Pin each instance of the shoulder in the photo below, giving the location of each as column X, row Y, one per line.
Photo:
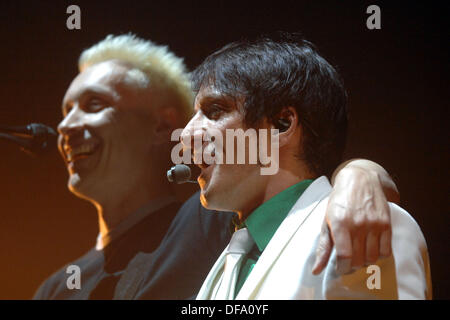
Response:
column 405, row 229
column 410, row 254
column 56, row 283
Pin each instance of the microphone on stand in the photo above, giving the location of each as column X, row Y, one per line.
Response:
column 180, row 173
column 34, row 138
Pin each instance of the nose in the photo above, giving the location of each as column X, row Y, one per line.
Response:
column 192, row 135
column 71, row 123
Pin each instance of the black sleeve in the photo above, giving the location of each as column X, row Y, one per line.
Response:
column 48, row 287
column 193, row 243
column 55, row 287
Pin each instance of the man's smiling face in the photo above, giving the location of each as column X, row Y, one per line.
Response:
column 104, row 136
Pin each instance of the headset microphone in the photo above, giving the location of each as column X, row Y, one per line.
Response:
column 180, row 173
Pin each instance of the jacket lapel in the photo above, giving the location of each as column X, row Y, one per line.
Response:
column 301, row 210
column 214, row 275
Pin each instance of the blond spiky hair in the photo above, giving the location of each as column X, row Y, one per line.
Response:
column 154, row 60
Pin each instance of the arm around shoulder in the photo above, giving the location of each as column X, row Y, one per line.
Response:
column 404, row 275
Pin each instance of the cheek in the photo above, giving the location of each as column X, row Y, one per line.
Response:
column 134, row 135
column 102, row 118
column 113, row 124
column 230, row 122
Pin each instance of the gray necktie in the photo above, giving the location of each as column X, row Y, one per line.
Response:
column 240, row 244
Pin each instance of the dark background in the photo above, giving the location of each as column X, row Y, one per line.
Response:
column 396, row 78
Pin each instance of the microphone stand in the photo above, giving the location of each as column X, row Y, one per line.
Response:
column 32, row 139
column 25, row 144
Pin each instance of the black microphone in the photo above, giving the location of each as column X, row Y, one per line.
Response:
column 34, row 138
column 180, row 173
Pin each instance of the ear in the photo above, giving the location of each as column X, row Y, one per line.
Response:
column 167, row 119
column 286, row 122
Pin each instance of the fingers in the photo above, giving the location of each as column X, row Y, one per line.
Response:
column 343, row 243
column 353, row 250
column 323, row 251
column 372, row 252
column 359, row 250
column 385, row 243
column 368, row 247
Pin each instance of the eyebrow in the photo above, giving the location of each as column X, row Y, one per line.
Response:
column 213, row 98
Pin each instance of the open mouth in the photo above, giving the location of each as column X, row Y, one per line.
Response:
column 79, row 152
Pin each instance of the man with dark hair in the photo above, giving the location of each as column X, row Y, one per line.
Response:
column 118, row 116
column 269, row 82
column 288, row 89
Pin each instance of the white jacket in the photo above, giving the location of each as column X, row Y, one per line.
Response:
column 283, row 271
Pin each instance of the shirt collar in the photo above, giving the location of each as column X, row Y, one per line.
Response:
column 264, row 221
column 133, row 219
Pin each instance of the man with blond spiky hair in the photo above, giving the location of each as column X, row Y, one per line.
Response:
column 119, row 113
column 115, row 138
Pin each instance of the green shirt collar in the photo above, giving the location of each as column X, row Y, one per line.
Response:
column 264, row 221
